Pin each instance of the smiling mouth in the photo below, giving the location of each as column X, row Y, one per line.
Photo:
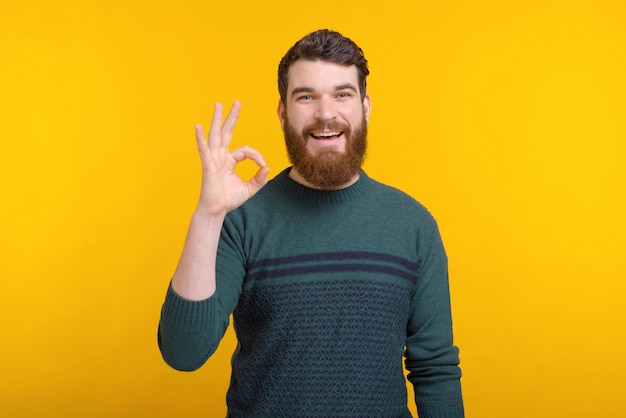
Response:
column 326, row 135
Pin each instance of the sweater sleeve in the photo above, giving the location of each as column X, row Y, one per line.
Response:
column 190, row 331
column 431, row 358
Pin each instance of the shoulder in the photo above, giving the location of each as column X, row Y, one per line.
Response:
column 400, row 202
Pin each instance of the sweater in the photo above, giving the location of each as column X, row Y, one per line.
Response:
column 328, row 291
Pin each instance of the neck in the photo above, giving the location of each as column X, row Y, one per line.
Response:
column 297, row 177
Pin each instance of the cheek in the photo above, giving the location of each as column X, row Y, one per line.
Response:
column 298, row 120
column 354, row 113
column 355, row 118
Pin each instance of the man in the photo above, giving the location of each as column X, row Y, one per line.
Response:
column 331, row 277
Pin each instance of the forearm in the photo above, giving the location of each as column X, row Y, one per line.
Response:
column 192, row 323
column 194, row 278
column 432, row 359
column 433, row 365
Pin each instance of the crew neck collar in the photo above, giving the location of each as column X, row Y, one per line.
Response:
column 323, row 196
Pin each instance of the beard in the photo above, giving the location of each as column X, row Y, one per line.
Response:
column 327, row 169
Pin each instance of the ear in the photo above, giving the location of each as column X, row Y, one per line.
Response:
column 367, row 107
column 281, row 114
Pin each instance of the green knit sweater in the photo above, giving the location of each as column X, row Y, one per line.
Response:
column 328, row 290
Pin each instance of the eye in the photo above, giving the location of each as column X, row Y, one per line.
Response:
column 305, row 97
column 344, row 95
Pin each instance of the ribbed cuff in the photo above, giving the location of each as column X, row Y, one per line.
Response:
column 189, row 331
column 189, row 316
column 445, row 411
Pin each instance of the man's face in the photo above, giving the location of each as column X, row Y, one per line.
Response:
column 324, row 122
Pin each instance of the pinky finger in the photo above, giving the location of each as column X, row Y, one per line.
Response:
column 200, row 138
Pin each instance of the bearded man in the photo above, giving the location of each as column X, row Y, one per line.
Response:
column 331, row 277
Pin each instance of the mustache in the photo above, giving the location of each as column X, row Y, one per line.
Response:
column 326, row 126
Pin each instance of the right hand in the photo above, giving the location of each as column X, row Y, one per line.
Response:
column 222, row 189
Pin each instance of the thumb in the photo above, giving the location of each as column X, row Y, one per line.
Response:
column 259, row 180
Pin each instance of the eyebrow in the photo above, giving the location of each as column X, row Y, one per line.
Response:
column 305, row 89
column 299, row 90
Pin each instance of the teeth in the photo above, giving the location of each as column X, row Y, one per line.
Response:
column 326, row 134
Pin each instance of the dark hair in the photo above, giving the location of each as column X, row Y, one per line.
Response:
column 325, row 45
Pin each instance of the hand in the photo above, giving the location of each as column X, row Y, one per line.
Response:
column 222, row 189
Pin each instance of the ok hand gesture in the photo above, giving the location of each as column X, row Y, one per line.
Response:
column 222, row 189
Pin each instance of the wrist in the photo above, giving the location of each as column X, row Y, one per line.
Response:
column 206, row 218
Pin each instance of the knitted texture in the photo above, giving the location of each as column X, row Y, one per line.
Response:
column 328, row 291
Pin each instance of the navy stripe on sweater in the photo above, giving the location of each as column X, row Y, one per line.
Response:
column 333, row 262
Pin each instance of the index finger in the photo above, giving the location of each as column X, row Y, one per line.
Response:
column 245, row 152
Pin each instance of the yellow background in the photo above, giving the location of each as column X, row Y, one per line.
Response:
column 506, row 119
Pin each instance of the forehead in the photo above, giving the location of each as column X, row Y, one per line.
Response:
column 321, row 75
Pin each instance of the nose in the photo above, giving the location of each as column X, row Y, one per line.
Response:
column 325, row 110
